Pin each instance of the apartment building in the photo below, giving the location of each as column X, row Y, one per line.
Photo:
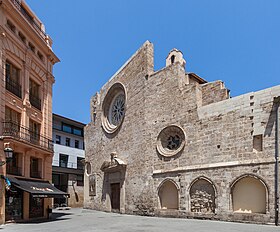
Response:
column 26, row 80
column 68, row 160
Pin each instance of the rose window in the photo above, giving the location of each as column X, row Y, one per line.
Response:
column 114, row 106
column 171, row 140
column 117, row 110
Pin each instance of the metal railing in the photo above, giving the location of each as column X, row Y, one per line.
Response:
column 13, row 87
column 13, row 170
column 25, row 134
column 28, row 17
column 35, row 101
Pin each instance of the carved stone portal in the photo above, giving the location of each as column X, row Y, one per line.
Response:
column 202, row 196
column 114, row 164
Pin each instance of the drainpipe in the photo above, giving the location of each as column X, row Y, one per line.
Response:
column 277, row 102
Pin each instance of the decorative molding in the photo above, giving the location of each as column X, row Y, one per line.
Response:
column 215, row 165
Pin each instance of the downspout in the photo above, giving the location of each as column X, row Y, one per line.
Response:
column 277, row 102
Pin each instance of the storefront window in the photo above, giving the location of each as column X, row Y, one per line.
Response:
column 14, row 201
column 36, row 207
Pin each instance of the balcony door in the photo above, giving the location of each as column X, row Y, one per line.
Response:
column 13, row 79
column 34, row 129
column 12, row 122
column 34, row 95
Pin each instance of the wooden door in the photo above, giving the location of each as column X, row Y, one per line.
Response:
column 115, row 197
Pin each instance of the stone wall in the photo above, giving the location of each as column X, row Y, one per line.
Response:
column 76, row 193
column 214, row 92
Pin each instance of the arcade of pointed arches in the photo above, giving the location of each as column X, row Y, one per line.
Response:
column 248, row 193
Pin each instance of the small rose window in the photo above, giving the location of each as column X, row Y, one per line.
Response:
column 171, row 140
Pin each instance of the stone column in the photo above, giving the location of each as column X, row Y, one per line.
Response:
column 26, row 167
column 25, row 85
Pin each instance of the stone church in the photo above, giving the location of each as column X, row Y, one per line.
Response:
column 169, row 143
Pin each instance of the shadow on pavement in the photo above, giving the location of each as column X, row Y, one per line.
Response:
column 56, row 216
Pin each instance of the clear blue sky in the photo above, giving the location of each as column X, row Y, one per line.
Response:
column 237, row 41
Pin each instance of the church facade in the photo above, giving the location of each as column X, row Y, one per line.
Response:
column 169, row 143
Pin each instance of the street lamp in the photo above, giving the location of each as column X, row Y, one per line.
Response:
column 8, row 154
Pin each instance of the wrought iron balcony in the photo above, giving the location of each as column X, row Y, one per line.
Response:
column 35, row 101
column 12, row 129
column 28, row 17
column 13, row 170
column 13, row 87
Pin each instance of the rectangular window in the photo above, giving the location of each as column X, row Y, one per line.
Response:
column 34, row 168
column 13, row 167
column 63, row 160
column 12, row 116
column 11, row 26
column 72, row 129
column 66, row 128
column 80, row 163
column 11, row 125
column 77, row 144
column 22, row 37
column 36, row 207
column 13, row 79
column 31, row 46
column 34, row 130
column 40, row 55
column 57, row 139
column 34, row 96
column 77, row 131
column 258, row 143
column 80, row 180
column 67, row 142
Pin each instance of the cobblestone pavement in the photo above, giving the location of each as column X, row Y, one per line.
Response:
column 81, row 220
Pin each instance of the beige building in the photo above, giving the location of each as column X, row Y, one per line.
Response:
column 26, row 79
column 169, row 143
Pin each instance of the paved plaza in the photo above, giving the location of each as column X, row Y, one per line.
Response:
column 81, row 220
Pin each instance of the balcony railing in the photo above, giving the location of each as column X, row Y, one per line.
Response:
column 13, row 87
column 28, row 17
column 35, row 174
column 35, row 101
column 13, row 170
column 22, row 133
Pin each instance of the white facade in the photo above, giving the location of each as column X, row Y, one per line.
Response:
column 72, row 153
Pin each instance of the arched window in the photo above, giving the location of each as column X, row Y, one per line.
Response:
column 168, row 195
column 172, row 59
column 249, row 195
column 202, row 196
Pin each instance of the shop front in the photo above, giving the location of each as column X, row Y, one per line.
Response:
column 14, row 204
column 29, row 199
